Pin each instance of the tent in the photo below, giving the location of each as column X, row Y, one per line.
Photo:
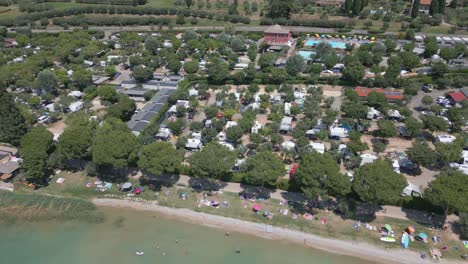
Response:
column 126, row 187
column 405, row 240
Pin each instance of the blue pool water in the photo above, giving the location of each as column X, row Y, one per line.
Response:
column 334, row 44
column 306, row 54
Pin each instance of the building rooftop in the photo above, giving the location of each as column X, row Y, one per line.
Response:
column 457, row 96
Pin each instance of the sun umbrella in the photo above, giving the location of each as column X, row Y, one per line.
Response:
column 411, row 229
column 422, row 235
column 215, row 203
column 256, row 207
column 388, row 227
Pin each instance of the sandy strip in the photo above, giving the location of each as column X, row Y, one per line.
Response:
column 343, row 247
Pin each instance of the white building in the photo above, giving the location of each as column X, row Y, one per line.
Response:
column 256, row 128
column 193, row 144
column 338, row 132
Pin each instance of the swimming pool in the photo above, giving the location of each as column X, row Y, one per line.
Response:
column 306, row 54
column 334, row 44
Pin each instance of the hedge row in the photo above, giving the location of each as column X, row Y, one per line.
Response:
column 112, row 2
column 110, row 21
column 28, row 18
column 306, row 23
column 7, row 2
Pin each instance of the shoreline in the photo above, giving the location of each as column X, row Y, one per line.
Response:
column 361, row 250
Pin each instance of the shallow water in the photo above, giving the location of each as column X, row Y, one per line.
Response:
column 126, row 231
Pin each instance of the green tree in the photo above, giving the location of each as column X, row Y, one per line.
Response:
column 348, row 6
column 413, row 127
column 122, row 110
column 82, row 78
column 191, row 67
column 158, row 158
column 107, row 93
column 266, row 60
column 152, row 44
column 47, row 82
column 409, row 59
column 421, row 154
column 177, row 126
column 318, row 175
column 279, row 9
column 188, row 3
column 377, row 183
column 448, row 191
column 12, row 124
column 377, row 100
column 76, row 140
column 354, row 72
column 217, row 71
column 434, row 123
column 295, row 65
column 110, row 71
column 114, row 147
column 435, row 7
column 34, row 149
column 141, row 74
column 439, row 69
column 386, row 129
column 264, row 169
column 214, row 161
column 357, row 4
column 427, row 100
column 449, row 152
column 252, row 52
column 234, row 133
column 415, row 9
column 237, row 43
column 174, row 65
column 431, row 46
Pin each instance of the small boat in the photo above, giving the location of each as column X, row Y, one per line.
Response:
column 140, row 253
column 387, row 239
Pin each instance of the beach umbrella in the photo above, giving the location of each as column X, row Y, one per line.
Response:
column 388, row 227
column 411, row 229
column 422, row 235
column 256, row 208
column 372, row 38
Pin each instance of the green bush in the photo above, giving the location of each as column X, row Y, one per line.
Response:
column 237, row 177
column 283, row 184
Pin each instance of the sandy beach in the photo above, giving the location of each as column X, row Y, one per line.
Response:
column 342, row 247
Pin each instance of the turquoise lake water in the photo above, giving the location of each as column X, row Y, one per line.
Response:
column 125, row 231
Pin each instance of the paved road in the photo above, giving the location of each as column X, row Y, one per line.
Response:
column 109, row 29
column 416, row 100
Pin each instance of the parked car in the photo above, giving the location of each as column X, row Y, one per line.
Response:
column 426, row 88
column 43, row 120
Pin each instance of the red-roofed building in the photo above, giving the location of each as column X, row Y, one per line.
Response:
column 391, row 95
column 457, row 97
column 277, row 35
column 424, row 6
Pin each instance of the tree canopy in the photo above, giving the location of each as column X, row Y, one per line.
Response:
column 214, row 161
column 264, row 169
column 114, row 146
column 47, row 82
column 295, row 65
column 319, row 175
column 377, row 183
column 34, row 149
column 448, row 191
column 158, row 158
column 421, row 154
column 12, row 124
column 76, row 140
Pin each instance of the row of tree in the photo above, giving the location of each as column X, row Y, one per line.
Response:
column 103, row 9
